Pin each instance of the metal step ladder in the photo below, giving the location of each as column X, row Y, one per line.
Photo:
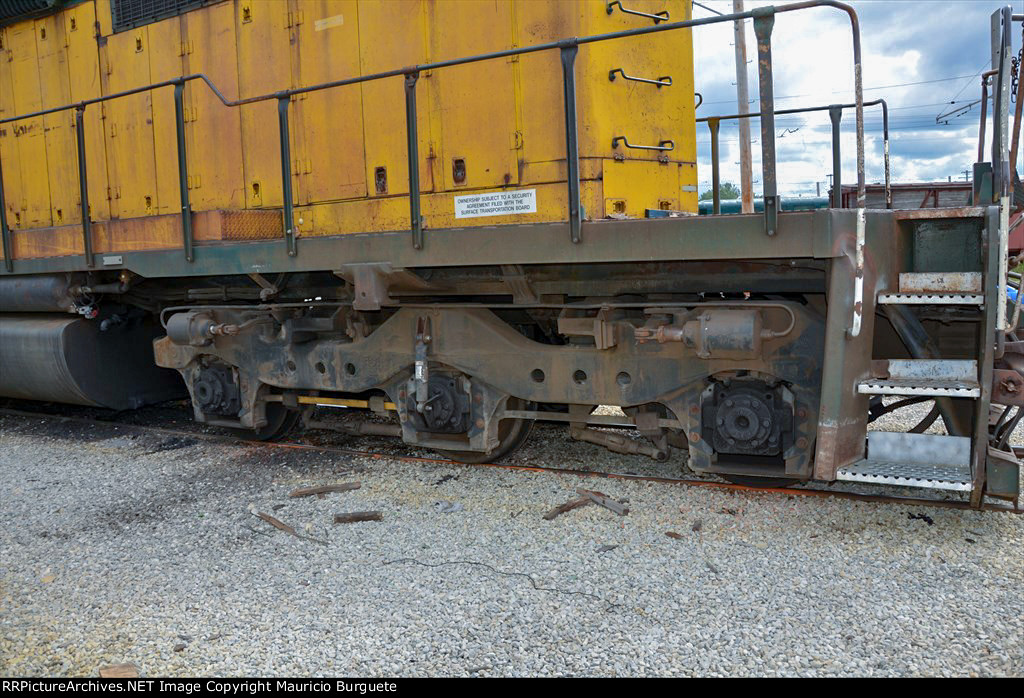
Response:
column 922, row 460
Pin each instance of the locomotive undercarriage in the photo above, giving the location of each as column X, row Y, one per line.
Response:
column 728, row 379
column 771, row 366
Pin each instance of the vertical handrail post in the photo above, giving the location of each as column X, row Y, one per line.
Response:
column 984, row 117
column 83, row 185
column 1002, row 54
column 413, row 151
column 186, row 205
column 716, row 195
column 286, row 174
column 572, row 147
column 885, row 142
column 764, row 20
column 835, row 114
column 5, row 232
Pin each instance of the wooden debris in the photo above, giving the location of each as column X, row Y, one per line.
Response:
column 281, row 525
column 673, row 534
column 277, row 523
column 321, row 490
column 568, row 506
column 604, row 500
column 357, row 516
column 119, row 671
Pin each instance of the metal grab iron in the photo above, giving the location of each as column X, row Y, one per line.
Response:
column 664, row 81
column 662, row 16
column 662, row 145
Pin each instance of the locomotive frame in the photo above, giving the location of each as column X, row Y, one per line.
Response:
column 750, row 342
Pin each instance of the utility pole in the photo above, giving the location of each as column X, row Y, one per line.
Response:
column 742, row 100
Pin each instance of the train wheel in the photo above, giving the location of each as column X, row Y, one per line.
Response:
column 512, row 433
column 280, row 421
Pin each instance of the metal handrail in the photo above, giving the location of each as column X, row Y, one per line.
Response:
column 763, row 20
column 835, row 113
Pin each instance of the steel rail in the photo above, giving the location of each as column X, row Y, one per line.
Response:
column 788, row 491
column 763, row 18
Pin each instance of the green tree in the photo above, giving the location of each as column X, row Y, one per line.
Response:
column 727, row 190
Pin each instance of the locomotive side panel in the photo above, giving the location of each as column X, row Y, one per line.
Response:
column 483, row 128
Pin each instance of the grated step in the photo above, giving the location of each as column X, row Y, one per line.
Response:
column 926, row 377
column 882, row 472
column 931, row 299
column 913, row 460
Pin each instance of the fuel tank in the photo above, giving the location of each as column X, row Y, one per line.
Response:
column 61, row 358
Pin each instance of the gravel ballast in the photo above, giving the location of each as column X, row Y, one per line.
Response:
column 119, row 545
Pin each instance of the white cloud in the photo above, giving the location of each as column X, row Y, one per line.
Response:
column 904, row 41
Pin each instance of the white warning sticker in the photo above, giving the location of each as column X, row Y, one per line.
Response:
column 329, row 22
column 496, row 203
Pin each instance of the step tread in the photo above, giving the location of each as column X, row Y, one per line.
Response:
column 928, row 377
column 940, row 282
column 931, row 299
column 937, row 387
column 945, row 476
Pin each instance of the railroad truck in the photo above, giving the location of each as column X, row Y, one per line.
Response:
column 465, row 217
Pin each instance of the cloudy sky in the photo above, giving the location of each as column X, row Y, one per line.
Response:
column 924, row 57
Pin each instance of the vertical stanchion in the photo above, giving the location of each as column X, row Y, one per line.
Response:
column 716, row 195
column 572, row 148
column 5, row 232
column 83, row 185
column 835, row 114
column 413, row 152
column 286, row 173
column 885, row 142
column 764, row 20
column 186, row 206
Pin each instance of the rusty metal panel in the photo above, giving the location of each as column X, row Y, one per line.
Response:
column 29, row 133
column 940, row 282
column 210, row 48
column 166, row 49
column 264, row 65
column 9, row 144
column 84, row 72
column 55, row 91
column 131, row 160
column 329, row 124
column 250, row 225
column 477, row 124
column 384, row 44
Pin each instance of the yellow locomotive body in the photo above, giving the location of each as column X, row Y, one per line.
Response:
column 484, row 128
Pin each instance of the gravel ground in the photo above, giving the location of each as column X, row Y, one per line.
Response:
column 118, row 545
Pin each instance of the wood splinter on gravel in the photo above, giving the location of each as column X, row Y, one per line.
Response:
column 119, row 671
column 325, row 489
column 357, row 516
column 568, row 506
column 281, row 525
column 604, row 500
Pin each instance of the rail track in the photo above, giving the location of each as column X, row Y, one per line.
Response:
column 294, row 445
